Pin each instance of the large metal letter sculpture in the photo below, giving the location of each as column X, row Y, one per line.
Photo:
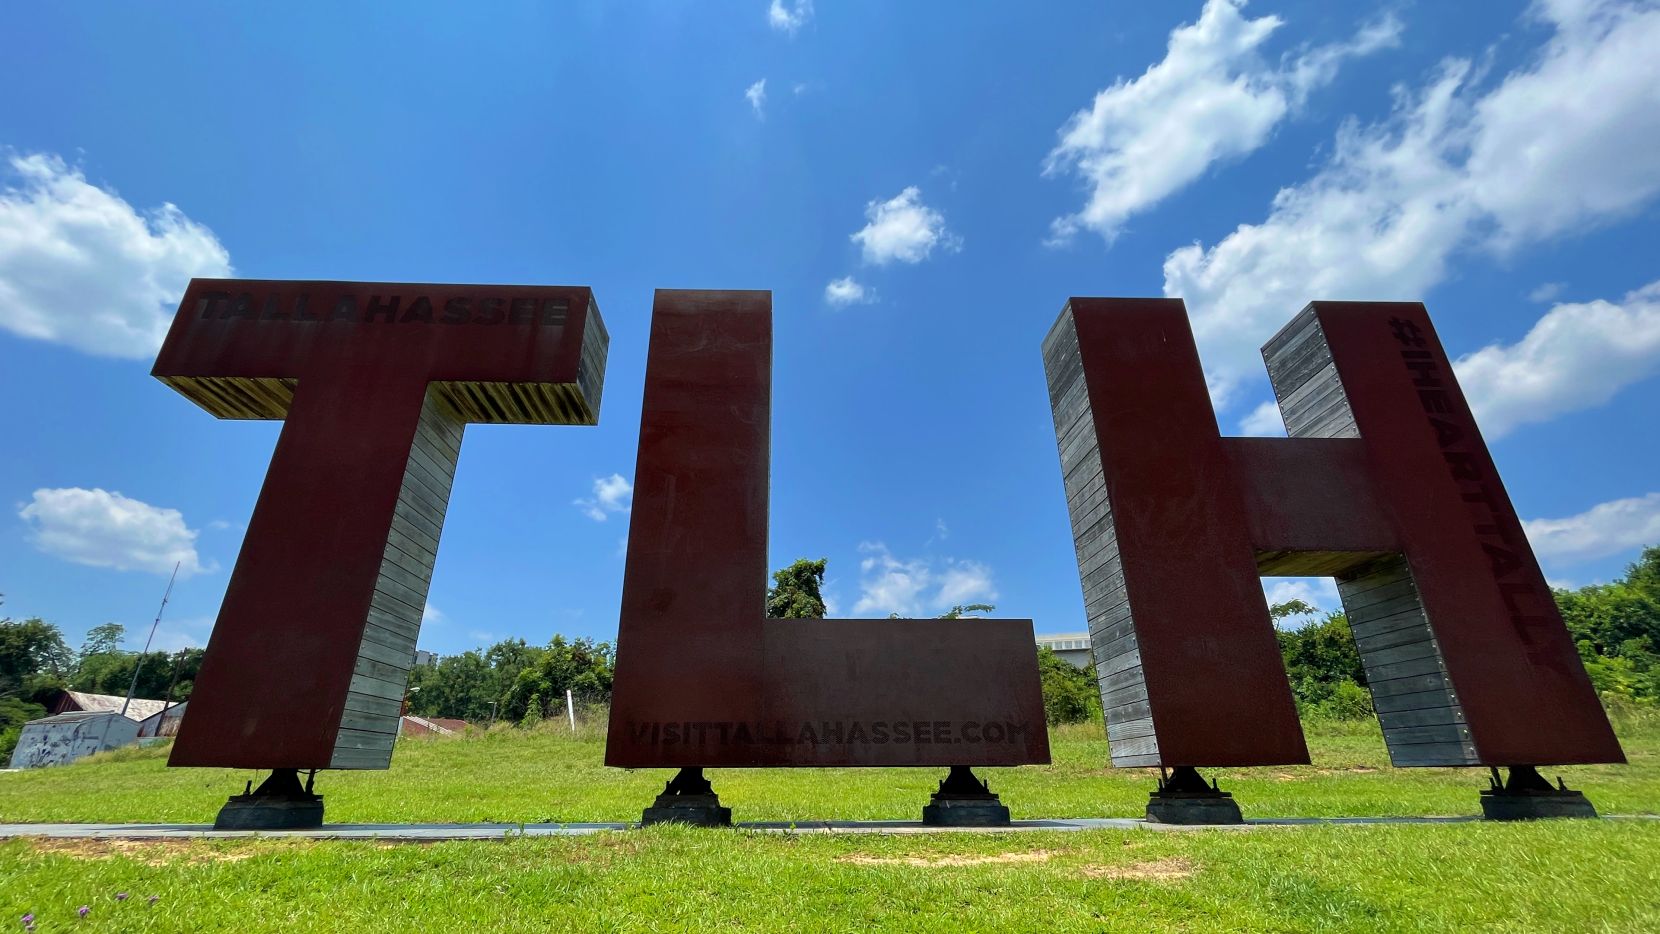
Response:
column 307, row 664
column 703, row 679
column 1385, row 484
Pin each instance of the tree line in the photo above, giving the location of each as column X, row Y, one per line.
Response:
column 1616, row 627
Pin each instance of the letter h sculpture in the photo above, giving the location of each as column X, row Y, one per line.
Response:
column 1385, row 484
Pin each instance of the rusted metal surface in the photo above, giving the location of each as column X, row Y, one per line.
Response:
column 1524, row 693
column 703, row 679
column 1386, row 485
column 308, row 660
column 1180, row 573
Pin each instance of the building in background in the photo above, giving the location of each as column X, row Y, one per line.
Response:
column 423, row 657
column 1072, row 646
column 430, row 726
column 161, row 724
column 80, row 701
column 65, row 737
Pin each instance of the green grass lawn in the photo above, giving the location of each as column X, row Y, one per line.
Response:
column 1563, row 875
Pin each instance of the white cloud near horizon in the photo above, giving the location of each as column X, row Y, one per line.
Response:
column 613, row 494
column 104, row 529
column 1604, row 529
column 1453, row 168
column 1264, row 421
column 789, row 18
column 1578, row 356
column 80, row 266
column 917, row 588
column 756, row 94
column 847, row 291
column 903, row 229
column 1214, row 97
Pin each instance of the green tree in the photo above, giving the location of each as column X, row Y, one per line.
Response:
column 959, row 611
column 1324, row 667
column 104, row 640
column 32, row 654
column 1616, row 627
column 582, row 666
column 797, row 591
column 1069, row 692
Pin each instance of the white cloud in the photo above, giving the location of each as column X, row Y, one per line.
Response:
column 1212, row 98
column 1602, row 530
column 904, row 229
column 431, row 615
column 611, row 494
column 789, row 19
column 918, row 587
column 79, row 266
column 1546, row 291
column 1263, row 422
column 846, row 291
column 1575, row 357
column 1318, row 592
column 108, row 530
column 757, row 97
column 1450, row 169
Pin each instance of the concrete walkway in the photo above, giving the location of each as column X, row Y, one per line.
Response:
column 415, row 833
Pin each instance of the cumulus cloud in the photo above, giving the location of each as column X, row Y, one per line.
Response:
column 1263, row 422
column 789, row 19
column 1451, row 168
column 1317, row 592
column 613, row 494
column 80, row 266
column 1213, row 97
column 756, row 94
column 903, row 228
column 1575, row 357
column 918, row 587
column 846, row 291
column 107, row 530
column 1604, row 529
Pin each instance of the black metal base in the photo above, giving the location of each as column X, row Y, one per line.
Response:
column 1528, row 796
column 687, row 798
column 964, row 801
column 1184, row 798
column 280, row 803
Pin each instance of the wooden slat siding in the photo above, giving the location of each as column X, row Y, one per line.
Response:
column 1401, row 659
column 387, row 650
column 1131, row 736
column 590, row 370
column 524, row 403
column 1417, row 708
column 236, row 397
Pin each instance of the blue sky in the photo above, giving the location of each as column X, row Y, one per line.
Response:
column 920, row 185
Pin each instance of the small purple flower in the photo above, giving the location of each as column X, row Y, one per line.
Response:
column 120, row 896
column 84, row 910
column 153, row 899
column 28, row 919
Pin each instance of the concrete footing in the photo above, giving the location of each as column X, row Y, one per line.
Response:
column 1528, row 796
column 962, row 800
column 688, row 798
column 280, row 803
column 1184, row 798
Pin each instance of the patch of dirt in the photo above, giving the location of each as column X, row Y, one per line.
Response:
column 1172, row 869
column 149, row 852
column 1034, row 856
column 1285, row 776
